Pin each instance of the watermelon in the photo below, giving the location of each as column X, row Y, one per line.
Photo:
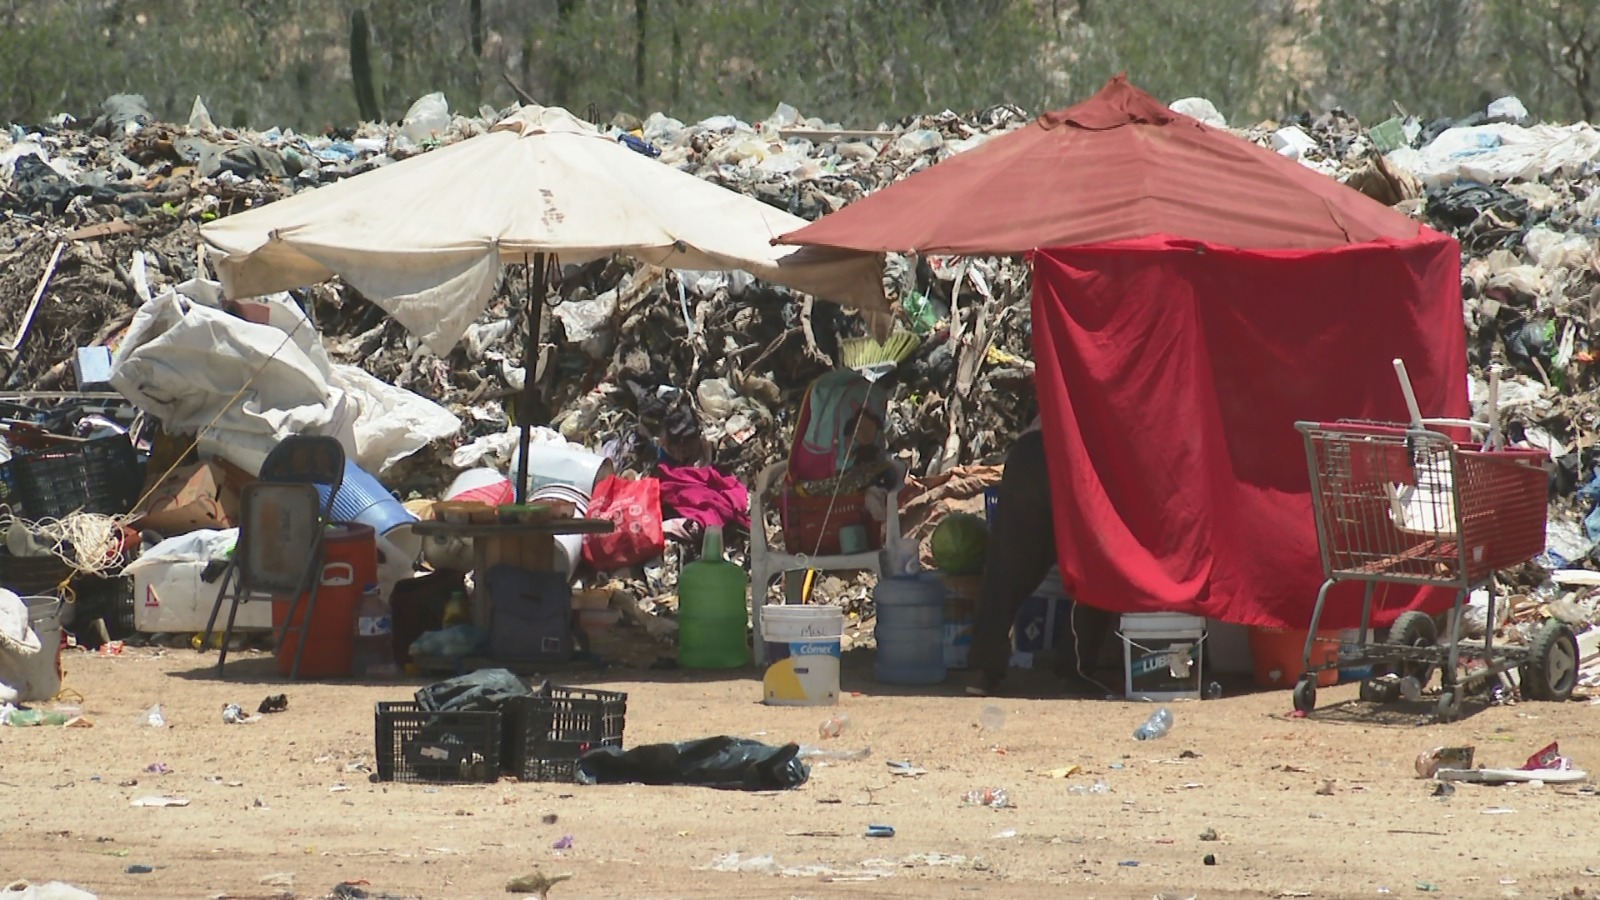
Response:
column 959, row 544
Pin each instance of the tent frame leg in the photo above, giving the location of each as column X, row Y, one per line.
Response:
column 533, row 311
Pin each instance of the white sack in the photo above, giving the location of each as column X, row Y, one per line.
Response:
column 183, row 362
column 391, row 422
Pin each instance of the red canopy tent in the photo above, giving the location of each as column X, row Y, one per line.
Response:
column 1193, row 296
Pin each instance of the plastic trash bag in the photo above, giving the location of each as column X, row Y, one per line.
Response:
column 485, row 690
column 426, row 119
column 726, row 763
column 1426, row 507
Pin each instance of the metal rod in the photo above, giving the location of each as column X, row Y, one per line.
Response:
column 533, row 309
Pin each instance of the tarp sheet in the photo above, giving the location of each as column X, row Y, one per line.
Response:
column 424, row 238
column 1170, row 376
column 244, row 386
column 1118, row 166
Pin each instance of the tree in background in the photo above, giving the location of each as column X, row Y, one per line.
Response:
column 311, row 64
column 1549, row 51
column 1177, row 50
column 1425, row 55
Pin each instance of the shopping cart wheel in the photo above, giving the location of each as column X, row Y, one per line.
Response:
column 1305, row 694
column 1449, row 708
column 1413, row 629
column 1374, row 691
column 1551, row 671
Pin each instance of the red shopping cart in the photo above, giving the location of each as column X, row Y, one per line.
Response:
column 1409, row 504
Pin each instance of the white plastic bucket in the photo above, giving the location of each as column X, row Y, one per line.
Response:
column 569, row 547
column 1161, row 655
column 41, row 674
column 802, row 655
column 560, row 464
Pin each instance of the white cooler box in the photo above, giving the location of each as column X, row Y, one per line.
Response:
column 171, row 597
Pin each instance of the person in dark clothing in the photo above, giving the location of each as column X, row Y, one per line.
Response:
column 1022, row 548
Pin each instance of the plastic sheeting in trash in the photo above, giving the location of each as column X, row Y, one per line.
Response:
column 1501, row 152
column 244, row 386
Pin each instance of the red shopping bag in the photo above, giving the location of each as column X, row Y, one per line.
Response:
column 635, row 506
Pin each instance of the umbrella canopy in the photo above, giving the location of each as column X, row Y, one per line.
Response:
column 1118, row 166
column 424, row 238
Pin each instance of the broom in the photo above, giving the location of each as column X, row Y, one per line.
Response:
column 863, row 352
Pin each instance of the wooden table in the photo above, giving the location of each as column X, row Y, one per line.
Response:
column 524, row 545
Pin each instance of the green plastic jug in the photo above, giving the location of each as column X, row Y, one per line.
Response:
column 712, row 617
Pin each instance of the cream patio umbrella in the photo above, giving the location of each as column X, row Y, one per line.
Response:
column 424, row 238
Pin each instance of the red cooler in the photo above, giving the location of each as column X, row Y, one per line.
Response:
column 350, row 562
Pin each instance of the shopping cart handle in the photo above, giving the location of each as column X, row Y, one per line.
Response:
column 1411, row 398
column 1459, row 423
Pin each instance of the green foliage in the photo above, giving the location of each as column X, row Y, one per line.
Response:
column 1177, row 50
column 859, row 62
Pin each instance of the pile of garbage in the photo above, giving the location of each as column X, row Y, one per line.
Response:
column 709, row 368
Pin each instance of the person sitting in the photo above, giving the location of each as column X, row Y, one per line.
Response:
column 1021, row 551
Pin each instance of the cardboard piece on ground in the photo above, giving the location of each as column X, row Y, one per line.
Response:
column 1509, row 776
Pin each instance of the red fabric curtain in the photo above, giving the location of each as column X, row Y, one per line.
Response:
column 1170, row 375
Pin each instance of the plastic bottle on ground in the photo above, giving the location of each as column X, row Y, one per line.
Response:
column 995, row 797
column 374, row 637
column 1159, row 723
column 992, row 718
column 834, row 726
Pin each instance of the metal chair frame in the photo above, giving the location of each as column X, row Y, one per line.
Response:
column 298, row 460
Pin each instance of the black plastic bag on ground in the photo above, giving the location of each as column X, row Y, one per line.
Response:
column 728, row 763
column 486, row 690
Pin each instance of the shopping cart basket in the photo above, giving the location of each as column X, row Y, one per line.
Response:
column 1409, row 504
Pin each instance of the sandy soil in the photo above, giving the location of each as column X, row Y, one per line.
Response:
column 1323, row 807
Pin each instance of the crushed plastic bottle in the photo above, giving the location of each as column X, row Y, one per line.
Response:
column 992, row 718
column 994, row 798
column 834, row 726
column 1410, row 689
column 154, row 717
column 1099, row 787
column 1159, row 723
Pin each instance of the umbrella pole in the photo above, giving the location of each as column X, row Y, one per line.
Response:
column 534, row 312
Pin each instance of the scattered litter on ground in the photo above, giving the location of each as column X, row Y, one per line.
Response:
column 159, row 801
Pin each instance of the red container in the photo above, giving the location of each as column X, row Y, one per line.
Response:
column 811, row 525
column 350, row 562
column 1279, row 656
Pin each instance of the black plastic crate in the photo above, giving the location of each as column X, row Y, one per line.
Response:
column 107, row 599
column 416, row 745
column 550, row 730
column 32, row 575
column 98, row 476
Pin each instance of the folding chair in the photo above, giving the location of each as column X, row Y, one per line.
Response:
column 280, row 536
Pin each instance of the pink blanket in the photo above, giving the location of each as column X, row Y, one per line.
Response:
column 705, row 495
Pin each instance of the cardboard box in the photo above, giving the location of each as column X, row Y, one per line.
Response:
column 199, row 496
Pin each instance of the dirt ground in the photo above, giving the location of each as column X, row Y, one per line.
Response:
column 1328, row 806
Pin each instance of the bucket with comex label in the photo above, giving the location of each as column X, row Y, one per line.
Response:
column 802, row 655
